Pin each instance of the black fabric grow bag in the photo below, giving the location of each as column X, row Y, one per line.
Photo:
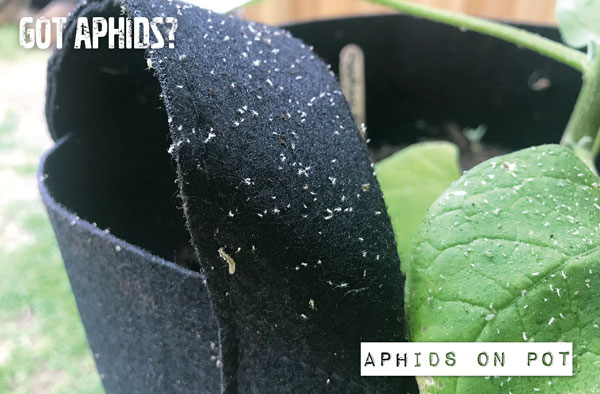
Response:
column 161, row 316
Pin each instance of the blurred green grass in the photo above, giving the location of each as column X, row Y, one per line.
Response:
column 42, row 343
column 9, row 42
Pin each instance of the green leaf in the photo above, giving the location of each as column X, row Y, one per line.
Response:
column 411, row 180
column 511, row 252
column 579, row 21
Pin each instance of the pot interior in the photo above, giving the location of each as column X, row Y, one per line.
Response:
column 424, row 81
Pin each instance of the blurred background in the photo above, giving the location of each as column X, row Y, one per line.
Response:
column 286, row 11
column 42, row 343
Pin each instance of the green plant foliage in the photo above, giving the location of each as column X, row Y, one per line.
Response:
column 579, row 21
column 511, row 252
column 411, row 180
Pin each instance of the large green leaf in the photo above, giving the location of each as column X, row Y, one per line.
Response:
column 579, row 21
column 411, row 180
column 511, row 252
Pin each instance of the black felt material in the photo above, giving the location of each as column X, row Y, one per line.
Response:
column 272, row 173
column 148, row 321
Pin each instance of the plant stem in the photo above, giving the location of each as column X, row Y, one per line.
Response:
column 596, row 146
column 582, row 132
column 520, row 37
